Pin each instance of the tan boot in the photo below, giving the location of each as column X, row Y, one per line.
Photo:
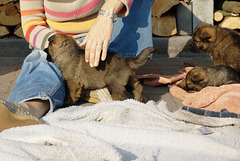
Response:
column 12, row 115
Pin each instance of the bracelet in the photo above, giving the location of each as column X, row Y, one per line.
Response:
column 108, row 14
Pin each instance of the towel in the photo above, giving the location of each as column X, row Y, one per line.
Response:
column 211, row 98
column 123, row 130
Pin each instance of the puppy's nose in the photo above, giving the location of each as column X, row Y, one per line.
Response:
column 190, row 46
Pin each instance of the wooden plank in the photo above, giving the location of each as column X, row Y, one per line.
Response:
column 161, row 6
column 184, row 19
column 9, row 15
column 231, row 23
column 18, row 31
column 220, row 14
column 164, row 25
column 231, row 6
column 4, row 31
column 3, row 2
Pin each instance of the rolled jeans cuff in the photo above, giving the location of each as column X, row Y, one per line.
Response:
column 39, row 79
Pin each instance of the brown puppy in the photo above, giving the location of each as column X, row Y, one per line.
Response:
column 200, row 77
column 114, row 73
column 222, row 44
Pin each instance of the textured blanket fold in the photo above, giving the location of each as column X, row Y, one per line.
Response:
column 123, row 130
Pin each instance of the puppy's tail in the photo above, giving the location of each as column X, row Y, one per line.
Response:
column 141, row 59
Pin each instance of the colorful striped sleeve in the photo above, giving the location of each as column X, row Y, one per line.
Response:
column 35, row 28
column 125, row 10
column 43, row 18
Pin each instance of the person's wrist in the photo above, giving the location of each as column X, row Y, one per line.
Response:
column 113, row 6
column 108, row 14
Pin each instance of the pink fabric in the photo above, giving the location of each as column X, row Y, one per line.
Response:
column 123, row 10
column 157, row 79
column 35, row 37
column 211, row 98
column 75, row 13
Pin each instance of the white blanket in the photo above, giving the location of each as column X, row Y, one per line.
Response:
column 123, row 130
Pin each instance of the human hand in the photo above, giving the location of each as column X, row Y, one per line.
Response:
column 97, row 40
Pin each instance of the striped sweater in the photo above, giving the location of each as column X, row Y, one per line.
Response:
column 43, row 18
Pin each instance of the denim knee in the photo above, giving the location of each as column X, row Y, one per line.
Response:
column 39, row 79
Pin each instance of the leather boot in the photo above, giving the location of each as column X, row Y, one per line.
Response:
column 12, row 115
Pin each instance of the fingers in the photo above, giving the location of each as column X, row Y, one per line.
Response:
column 94, row 50
column 78, row 42
column 97, row 54
column 84, row 42
column 87, row 51
column 93, row 53
column 104, row 50
column 97, row 40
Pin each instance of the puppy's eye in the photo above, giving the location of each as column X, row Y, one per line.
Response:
column 65, row 43
column 51, row 40
column 196, row 42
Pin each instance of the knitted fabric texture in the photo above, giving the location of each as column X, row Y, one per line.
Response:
column 43, row 18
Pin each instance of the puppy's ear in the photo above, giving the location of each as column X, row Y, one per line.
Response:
column 201, row 25
column 207, row 33
column 197, row 77
column 182, row 84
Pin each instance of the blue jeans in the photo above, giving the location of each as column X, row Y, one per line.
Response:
column 40, row 79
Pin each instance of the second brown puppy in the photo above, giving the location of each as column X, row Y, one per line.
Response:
column 222, row 44
column 114, row 73
column 201, row 77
